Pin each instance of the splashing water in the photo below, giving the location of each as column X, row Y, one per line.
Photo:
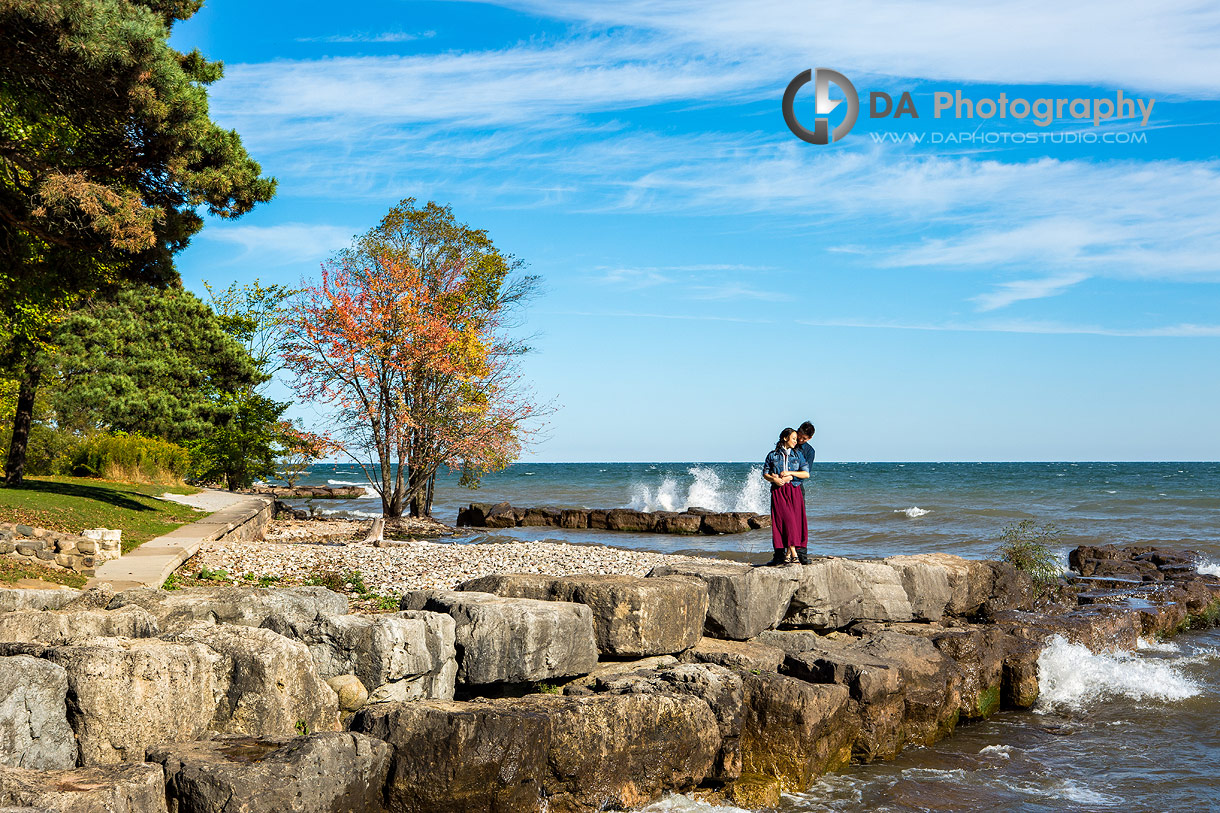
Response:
column 707, row 489
column 914, row 512
column 1071, row 676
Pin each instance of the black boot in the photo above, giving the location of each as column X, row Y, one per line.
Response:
column 801, row 556
column 777, row 559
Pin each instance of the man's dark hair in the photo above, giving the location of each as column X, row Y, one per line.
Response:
column 806, row 429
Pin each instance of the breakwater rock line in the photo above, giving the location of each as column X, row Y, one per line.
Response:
column 691, row 521
column 310, row 492
column 527, row 692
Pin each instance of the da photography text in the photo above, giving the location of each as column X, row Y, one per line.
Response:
column 955, row 104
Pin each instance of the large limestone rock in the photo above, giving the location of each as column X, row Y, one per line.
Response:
column 793, row 730
column 20, row 599
column 248, row 606
column 127, row 694
column 55, row 627
column 542, row 752
column 632, row 617
column 266, row 684
column 34, row 730
column 609, row 670
column 513, row 640
column 319, row 773
column 619, row 752
column 131, row 788
column 833, row 593
column 411, row 655
column 453, row 757
column 909, row 692
column 742, row 600
column 719, row 687
column 747, row 655
column 969, row 581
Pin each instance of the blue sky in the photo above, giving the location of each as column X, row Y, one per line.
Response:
column 709, row 277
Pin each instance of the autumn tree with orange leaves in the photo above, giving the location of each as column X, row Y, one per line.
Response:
column 407, row 336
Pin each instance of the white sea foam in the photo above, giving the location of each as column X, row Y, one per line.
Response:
column 369, row 493
column 1208, row 568
column 1004, row 751
column 1071, row 676
column 705, row 489
column 914, row 512
column 1156, row 646
column 677, row 803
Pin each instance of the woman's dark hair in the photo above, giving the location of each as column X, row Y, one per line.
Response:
column 783, row 437
column 806, row 429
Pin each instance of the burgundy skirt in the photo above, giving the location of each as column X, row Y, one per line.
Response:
column 789, row 528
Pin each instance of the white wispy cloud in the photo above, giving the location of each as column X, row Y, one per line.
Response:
column 1170, row 47
column 384, row 36
column 284, row 243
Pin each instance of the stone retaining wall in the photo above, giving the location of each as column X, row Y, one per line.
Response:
column 691, row 521
column 78, row 553
column 309, row 492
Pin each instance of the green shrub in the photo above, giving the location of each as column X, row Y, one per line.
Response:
column 1027, row 546
column 48, row 450
column 130, row 458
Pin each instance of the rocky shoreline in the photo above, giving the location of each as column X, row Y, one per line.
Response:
column 533, row 691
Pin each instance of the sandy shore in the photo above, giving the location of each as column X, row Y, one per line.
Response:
column 295, row 551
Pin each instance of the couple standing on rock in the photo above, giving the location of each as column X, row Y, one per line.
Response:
column 785, row 469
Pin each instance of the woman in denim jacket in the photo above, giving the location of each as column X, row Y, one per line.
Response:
column 789, row 529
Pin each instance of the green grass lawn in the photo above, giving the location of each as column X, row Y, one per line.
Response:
column 71, row 504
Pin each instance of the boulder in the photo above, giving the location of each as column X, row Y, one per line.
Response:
column 34, row 730
column 834, row 593
column 679, row 524
column 266, row 684
column 130, row 788
column 970, row 581
column 599, row 520
column 1011, row 589
column 609, row 670
column 319, row 773
column 451, row 757
column 351, row 692
column 744, row 655
column 382, row 649
column 717, row 686
column 734, row 523
column 500, row 515
column 793, row 730
column 127, row 694
column 247, row 606
column 20, row 599
column 541, row 517
column 619, row 752
column 926, row 584
column 742, row 600
column 542, row 752
column 512, row 640
column 66, row 626
column 632, row 617
column 574, row 518
column 760, row 522
column 626, row 519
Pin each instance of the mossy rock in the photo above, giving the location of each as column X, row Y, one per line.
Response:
column 754, row 791
column 988, row 703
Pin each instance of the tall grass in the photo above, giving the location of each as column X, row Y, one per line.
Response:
column 131, row 459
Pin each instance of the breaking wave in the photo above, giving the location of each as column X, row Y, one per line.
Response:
column 705, row 489
column 913, row 512
column 1071, row 676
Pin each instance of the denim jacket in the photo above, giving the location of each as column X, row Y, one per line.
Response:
column 775, row 463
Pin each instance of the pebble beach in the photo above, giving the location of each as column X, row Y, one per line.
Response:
column 296, row 550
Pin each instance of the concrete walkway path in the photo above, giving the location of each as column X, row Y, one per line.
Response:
column 150, row 564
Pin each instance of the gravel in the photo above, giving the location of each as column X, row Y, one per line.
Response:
column 295, row 551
